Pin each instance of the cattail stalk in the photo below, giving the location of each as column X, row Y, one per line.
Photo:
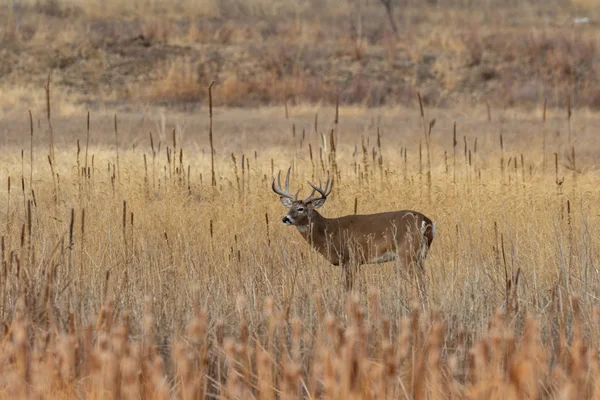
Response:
column 210, row 136
column 48, row 116
column 117, row 149
column 87, row 141
column 454, row 144
column 267, row 225
column 237, row 177
column 569, row 114
column 30, row 151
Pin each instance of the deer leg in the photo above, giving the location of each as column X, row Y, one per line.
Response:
column 349, row 275
column 420, row 264
column 416, row 273
column 421, row 278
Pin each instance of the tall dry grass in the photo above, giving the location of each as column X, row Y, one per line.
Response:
column 132, row 273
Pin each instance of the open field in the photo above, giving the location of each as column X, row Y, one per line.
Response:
column 186, row 265
column 142, row 252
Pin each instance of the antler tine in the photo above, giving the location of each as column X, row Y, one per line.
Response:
column 279, row 189
column 328, row 185
column 278, row 179
column 324, row 192
column 273, row 183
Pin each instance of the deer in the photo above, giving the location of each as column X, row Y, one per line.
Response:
column 353, row 240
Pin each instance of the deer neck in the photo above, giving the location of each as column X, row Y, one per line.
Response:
column 316, row 228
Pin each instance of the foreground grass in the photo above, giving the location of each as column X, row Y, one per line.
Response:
column 130, row 273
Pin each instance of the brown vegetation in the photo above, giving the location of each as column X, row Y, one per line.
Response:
column 258, row 52
column 205, row 291
column 141, row 251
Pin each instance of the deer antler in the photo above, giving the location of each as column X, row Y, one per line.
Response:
column 324, row 192
column 280, row 191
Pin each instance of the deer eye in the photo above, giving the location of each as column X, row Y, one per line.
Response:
column 300, row 209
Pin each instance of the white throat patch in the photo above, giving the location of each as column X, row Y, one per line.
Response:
column 302, row 228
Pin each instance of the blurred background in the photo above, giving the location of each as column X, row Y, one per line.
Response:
column 108, row 53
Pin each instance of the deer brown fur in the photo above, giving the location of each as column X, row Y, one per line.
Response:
column 352, row 240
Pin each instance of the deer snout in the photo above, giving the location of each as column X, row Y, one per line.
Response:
column 287, row 220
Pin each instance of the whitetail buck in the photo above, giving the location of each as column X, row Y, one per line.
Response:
column 353, row 240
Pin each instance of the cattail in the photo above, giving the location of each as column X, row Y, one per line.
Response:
column 3, row 258
column 181, row 160
column 145, row 172
column 117, row 149
column 124, row 227
column 48, row 116
column 78, row 152
column 243, row 175
column 569, row 113
column 189, row 175
column 169, row 159
column 210, row 136
column 71, row 224
column 267, row 225
column 30, row 150
column 23, row 190
column 235, row 169
column 248, row 175
column 33, row 197
column 454, row 144
column 501, row 155
column 523, row 167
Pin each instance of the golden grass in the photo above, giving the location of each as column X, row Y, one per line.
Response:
column 128, row 274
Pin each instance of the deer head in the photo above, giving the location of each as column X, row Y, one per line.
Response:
column 301, row 211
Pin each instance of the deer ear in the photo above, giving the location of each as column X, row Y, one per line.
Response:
column 286, row 201
column 317, row 203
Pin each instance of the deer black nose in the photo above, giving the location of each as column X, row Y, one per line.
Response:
column 286, row 220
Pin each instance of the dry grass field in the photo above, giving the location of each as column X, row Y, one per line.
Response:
column 142, row 251
column 454, row 52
